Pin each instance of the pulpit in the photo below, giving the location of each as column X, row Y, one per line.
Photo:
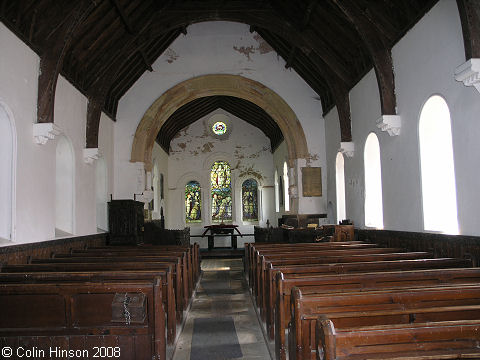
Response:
column 125, row 222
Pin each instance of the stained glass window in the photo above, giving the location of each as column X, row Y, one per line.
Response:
column 193, row 202
column 219, row 128
column 250, row 200
column 221, row 192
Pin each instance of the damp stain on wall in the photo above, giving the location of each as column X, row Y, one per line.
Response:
column 250, row 171
column 311, row 157
column 207, row 147
column 263, row 46
column 245, row 50
column 171, row 55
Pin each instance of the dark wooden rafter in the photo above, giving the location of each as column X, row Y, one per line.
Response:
column 305, row 21
column 470, row 17
column 333, row 85
column 99, row 87
column 51, row 61
column 311, row 42
column 379, row 50
column 132, row 31
column 198, row 108
column 331, row 44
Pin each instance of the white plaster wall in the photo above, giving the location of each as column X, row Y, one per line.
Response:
column 332, row 135
column 424, row 63
column 192, row 154
column 35, row 172
column 35, row 164
column 280, row 155
column 160, row 158
column 225, row 48
column 425, row 60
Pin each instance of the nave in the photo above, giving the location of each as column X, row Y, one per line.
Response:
column 221, row 323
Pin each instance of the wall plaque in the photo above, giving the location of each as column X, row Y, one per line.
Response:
column 312, row 181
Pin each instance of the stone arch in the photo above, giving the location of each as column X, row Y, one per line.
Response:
column 217, row 84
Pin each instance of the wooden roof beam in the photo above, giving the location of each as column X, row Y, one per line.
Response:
column 313, row 42
column 51, row 60
column 470, row 18
column 98, row 89
column 379, row 50
column 291, row 57
column 124, row 17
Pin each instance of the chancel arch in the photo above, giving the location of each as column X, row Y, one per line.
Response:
column 211, row 85
column 7, row 173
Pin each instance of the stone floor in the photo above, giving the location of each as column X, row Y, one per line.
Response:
column 222, row 323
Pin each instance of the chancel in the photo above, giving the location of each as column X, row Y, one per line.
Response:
column 237, row 179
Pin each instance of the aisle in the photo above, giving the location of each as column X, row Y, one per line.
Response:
column 222, row 323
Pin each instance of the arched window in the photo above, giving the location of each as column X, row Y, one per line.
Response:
column 277, row 195
column 437, row 167
column 64, row 187
column 7, row 147
column 221, row 191
column 340, row 182
column 250, row 200
column 373, row 183
column 193, row 202
column 101, row 193
column 286, row 185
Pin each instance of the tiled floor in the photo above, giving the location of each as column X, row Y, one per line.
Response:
column 223, row 294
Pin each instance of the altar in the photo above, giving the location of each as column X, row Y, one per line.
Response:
column 218, row 230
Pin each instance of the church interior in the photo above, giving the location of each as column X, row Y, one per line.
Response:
column 224, row 179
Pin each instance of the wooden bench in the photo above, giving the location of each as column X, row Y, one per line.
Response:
column 80, row 317
column 180, row 275
column 86, row 267
column 367, row 266
column 251, row 250
column 187, row 274
column 192, row 250
column 364, row 281
column 433, row 340
column 168, row 294
column 306, row 309
column 298, row 265
column 259, row 267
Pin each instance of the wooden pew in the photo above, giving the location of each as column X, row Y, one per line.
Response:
column 342, row 268
column 168, row 294
column 252, row 248
column 192, row 250
column 306, row 309
column 357, row 281
column 81, row 317
column 98, row 266
column 432, row 340
column 185, row 256
column 268, row 292
column 181, row 278
column 260, row 259
column 256, row 250
column 249, row 249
